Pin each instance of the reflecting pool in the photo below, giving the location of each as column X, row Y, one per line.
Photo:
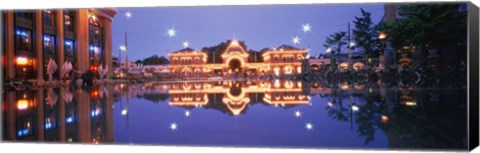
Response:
column 253, row 113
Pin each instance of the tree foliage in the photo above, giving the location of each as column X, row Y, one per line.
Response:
column 155, row 60
column 365, row 33
column 420, row 25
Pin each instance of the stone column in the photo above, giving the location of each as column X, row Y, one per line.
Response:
column 38, row 47
column 9, row 45
column 60, row 41
column 81, row 25
column 107, row 27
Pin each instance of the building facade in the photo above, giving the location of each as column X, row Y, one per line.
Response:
column 285, row 60
column 34, row 38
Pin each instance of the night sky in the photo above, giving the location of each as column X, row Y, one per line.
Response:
column 260, row 26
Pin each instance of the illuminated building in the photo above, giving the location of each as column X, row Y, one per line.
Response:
column 285, row 60
column 33, row 37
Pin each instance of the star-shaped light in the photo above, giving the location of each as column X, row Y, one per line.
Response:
column 298, row 114
column 295, row 40
column 309, row 126
column 185, row 44
column 306, row 28
column 128, row 15
column 187, row 113
column 171, row 32
column 173, row 126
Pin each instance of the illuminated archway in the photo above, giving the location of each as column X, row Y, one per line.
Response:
column 235, row 65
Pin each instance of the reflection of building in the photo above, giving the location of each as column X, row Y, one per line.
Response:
column 235, row 96
column 59, row 115
column 32, row 38
column 285, row 60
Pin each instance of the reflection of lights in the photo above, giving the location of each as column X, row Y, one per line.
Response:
column 173, row 126
column 23, row 132
column 295, row 40
column 187, row 113
column 385, row 118
column 355, row 108
column 171, row 32
column 309, row 126
column 124, row 112
column 48, row 125
column 330, row 104
column 306, row 28
column 22, row 104
column 298, row 114
column 22, row 60
column 95, row 112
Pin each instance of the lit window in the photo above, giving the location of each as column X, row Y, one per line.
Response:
column 96, row 40
column 69, row 48
column 49, row 44
column 23, row 39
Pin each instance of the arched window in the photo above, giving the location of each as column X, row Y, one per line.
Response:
column 275, row 58
column 96, row 40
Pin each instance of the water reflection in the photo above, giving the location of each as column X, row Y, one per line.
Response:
column 378, row 116
column 59, row 115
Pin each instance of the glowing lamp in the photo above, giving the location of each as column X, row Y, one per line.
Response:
column 22, row 104
column 384, row 119
column 355, row 108
column 123, row 48
column 410, row 103
column 382, row 35
column 22, row 61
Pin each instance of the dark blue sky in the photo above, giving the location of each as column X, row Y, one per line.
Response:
column 260, row 26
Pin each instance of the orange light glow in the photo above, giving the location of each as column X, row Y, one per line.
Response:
column 345, row 86
column 385, row 119
column 382, row 35
column 94, row 94
column 22, row 104
column 22, row 60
